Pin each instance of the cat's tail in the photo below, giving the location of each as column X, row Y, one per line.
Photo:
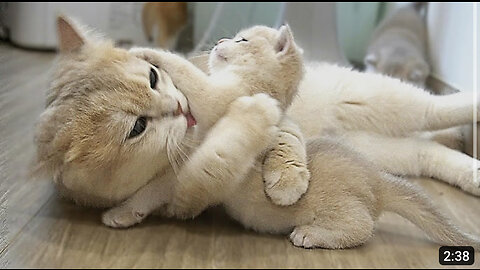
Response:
column 410, row 202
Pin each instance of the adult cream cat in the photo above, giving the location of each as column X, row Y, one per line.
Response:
column 109, row 112
column 101, row 152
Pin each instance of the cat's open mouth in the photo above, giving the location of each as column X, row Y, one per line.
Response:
column 190, row 119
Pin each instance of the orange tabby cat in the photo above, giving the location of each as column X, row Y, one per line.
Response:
column 163, row 22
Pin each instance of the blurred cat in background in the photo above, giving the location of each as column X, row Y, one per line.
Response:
column 399, row 46
column 399, row 49
column 163, row 22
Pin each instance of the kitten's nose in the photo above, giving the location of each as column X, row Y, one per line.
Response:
column 222, row 40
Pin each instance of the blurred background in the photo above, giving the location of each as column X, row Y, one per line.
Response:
column 336, row 32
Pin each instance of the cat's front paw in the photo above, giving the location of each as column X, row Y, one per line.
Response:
column 285, row 181
column 260, row 110
column 153, row 56
column 122, row 217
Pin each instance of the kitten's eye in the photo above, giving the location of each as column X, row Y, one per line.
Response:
column 153, row 78
column 138, row 128
column 240, row 40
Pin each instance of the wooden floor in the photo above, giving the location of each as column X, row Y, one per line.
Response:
column 45, row 231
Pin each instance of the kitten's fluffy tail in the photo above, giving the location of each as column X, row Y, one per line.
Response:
column 411, row 203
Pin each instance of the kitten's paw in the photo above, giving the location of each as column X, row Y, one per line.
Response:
column 303, row 236
column 259, row 108
column 122, row 217
column 153, row 56
column 146, row 54
column 285, row 181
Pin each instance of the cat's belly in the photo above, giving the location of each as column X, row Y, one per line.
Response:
column 320, row 92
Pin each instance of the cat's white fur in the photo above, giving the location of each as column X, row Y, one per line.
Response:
column 341, row 179
column 347, row 192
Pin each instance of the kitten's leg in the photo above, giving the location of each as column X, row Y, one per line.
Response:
column 336, row 233
column 285, row 172
column 414, row 156
column 400, row 109
column 227, row 154
column 149, row 198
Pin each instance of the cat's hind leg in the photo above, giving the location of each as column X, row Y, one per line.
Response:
column 334, row 233
column 414, row 156
column 399, row 109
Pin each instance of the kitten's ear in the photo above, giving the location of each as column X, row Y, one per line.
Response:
column 285, row 42
column 69, row 37
column 371, row 59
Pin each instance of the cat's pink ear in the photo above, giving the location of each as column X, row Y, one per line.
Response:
column 69, row 37
column 285, row 41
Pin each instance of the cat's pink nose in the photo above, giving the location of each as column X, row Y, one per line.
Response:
column 222, row 40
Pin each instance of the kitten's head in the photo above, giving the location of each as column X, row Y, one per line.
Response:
column 398, row 63
column 111, row 123
column 266, row 56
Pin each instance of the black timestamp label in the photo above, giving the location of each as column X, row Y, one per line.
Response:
column 452, row 255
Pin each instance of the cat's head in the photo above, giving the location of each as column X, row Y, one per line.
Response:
column 398, row 63
column 264, row 55
column 111, row 123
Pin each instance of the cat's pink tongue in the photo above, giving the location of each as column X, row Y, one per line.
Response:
column 190, row 120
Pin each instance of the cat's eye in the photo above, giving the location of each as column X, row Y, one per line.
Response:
column 241, row 40
column 138, row 128
column 153, row 78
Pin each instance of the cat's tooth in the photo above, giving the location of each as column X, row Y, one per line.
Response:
column 179, row 110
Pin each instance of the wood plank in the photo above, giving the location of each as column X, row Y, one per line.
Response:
column 65, row 235
column 23, row 83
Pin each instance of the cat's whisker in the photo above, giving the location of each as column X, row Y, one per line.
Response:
column 190, row 142
column 172, row 155
column 183, row 156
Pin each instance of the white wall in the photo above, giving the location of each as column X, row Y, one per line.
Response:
column 478, row 46
column 32, row 24
column 450, row 38
column 450, row 35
